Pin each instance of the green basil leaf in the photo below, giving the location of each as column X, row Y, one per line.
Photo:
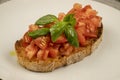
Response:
column 56, row 30
column 39, row 32
column 69, row 18
column 71, row 36
column 46, row 19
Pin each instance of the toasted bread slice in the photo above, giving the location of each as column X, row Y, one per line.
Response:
column 52, row 63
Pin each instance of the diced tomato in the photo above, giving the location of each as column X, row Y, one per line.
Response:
column 24, row 44
column 53, row 52
column 61, row 39
column 42, row 42
column 96, row 21
column 45, row 54
column 91, row 28
column 77, row 6
column 86, row 8
column 40, row 54
column 90, row 35
column 91, row 12
column 33, row 27
column 81, row 29
column 27, row 38
column 61, row 16
column 81, row 38
column 68, row 51
column 31, row 50
column 66, row 46
column 82, row 24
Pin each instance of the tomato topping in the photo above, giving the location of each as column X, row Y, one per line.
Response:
column 86, row 26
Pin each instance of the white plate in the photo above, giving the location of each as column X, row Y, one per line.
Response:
column 16, row 15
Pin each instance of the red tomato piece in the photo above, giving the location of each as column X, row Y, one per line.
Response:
column 61, row 39
column 53, row 52
column 42, row 42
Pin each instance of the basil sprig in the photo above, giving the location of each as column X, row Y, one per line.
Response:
column 66, row 26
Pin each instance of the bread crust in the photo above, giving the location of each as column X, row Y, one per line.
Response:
column 51, row 64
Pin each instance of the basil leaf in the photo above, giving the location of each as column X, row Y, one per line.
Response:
column 56, row 30
column 40, row 32
column 46, row 19
column 69, row 18
column 71, row 36
column 70, row 32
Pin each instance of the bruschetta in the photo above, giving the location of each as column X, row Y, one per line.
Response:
column 53, row 42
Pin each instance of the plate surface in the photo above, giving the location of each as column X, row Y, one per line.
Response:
column 16, row 15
